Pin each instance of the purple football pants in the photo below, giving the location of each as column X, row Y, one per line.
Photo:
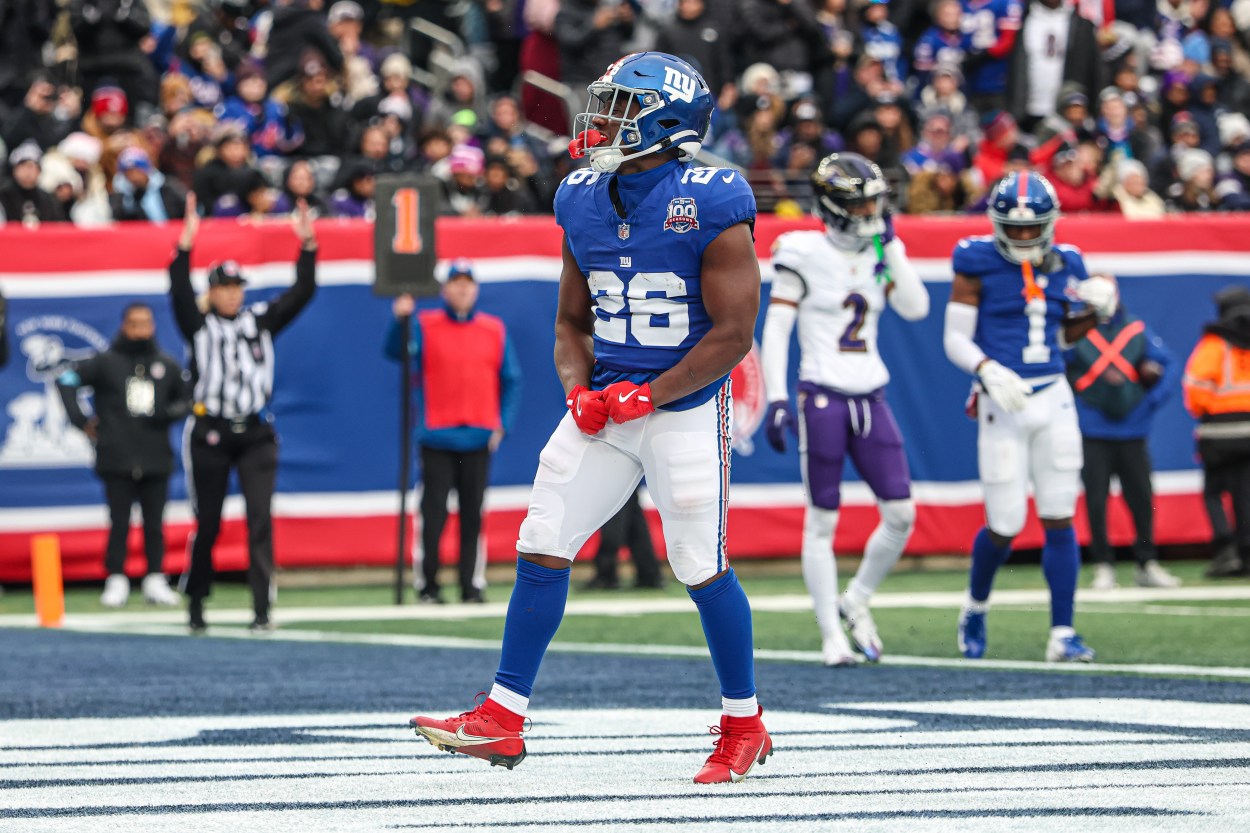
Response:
column 835, row 424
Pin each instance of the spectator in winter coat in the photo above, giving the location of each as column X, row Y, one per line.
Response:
column 786, row 35
column 21, row 199
column 141, row 192
column 225, row 174
column 694, row 37
column 109, row 34
column 298, row 32
column 591, row 35
column 1195, row 187
column 265, row 120
column 1234, row 188
column 355, row 199
column 300, row 183
column 941, row 43
column 1132, row 192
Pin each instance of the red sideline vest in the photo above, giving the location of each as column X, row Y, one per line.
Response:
column 460, row 363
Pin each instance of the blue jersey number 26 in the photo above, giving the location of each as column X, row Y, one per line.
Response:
column 643, row 307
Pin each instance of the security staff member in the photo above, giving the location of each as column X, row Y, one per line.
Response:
column 232, row 368
column 138, row 391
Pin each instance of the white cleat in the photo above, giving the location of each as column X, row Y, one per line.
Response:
column 1153, row 575
column 156, row 591
column 862, row 630
column 1104, row 578
column 836, row 652
column 1068, row 649
column 116, row 591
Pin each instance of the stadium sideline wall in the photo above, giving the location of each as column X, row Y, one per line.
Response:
column 336, row 399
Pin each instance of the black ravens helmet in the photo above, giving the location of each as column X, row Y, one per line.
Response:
column 851, row 194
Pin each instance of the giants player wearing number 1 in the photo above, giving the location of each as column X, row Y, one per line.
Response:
column 1009, row 317
column 836, row 283
column 658, row 298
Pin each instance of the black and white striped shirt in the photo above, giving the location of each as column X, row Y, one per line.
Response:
column 232, row 359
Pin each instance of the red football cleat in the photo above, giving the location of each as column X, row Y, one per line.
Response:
column 483, row 733
column 741, row 743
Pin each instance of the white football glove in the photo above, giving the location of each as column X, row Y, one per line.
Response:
column 1100, row 294
column 1004, row 386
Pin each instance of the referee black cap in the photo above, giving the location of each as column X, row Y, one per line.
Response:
column 225, row 273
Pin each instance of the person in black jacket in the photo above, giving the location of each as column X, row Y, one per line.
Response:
column 298, row 29
column 108, row 33
column 21, row 199
column 1038, row 69
column 138, row 391
column 232, row 362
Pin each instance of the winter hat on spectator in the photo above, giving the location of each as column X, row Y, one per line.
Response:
column 345, row 10
column 806, row 111
column 465, row 118
column 1174, row 78
column 400, row 108
column 58, row 171
column 755, row 74
column 228, row 131
column 248, row 69
column 396, row 64
column 313, row 65
column 134, row 159
column 1073, row 98
column 996, row 123
column 109, row 100
column 1111, row 94
column 1234, row 127
column 1183, row 121
column 1127, row 168
column 467, row 159
column 1191, row 162
column 1241, row 147
column 945, row 68
column 81, row 147
column 1019, row 153
column 27, row 151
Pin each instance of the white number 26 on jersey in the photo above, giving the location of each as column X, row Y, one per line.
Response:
column 646, row 310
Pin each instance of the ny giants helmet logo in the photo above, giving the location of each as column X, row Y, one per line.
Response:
column 678, row 85
column 683, row 215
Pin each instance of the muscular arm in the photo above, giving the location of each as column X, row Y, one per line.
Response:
column 575, row 325
column 731, row 295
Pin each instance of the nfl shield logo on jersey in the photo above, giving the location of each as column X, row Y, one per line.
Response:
column 622, row 231
column 683, row 215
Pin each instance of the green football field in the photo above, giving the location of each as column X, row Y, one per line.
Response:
column 1197, row 630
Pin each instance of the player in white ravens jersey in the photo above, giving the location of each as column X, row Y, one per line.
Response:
column 657, row 304
column 1011, row 313
column 837, row 283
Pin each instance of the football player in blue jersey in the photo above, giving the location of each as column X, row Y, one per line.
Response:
column 657, row 303
column 1012, row 310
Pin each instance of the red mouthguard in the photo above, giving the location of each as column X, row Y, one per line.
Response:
column 584, row 141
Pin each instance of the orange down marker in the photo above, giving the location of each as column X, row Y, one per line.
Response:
column 45, row 559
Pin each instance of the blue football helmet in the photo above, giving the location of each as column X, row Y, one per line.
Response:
column 851, row 195
column 1024, row 199
column 673, row 109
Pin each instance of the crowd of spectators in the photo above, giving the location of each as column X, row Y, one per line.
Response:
column 114, row 109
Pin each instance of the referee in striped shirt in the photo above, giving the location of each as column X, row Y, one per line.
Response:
column 232, row 369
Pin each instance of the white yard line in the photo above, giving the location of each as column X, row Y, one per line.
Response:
column 699, row 652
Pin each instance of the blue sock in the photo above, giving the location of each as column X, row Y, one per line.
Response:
column 726, row 616
column 986, row 559
column 534, row 614
column 1061, row 562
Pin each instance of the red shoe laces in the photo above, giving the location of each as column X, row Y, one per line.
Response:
column 728, row 745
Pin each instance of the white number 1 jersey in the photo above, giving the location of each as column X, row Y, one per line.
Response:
column 840, row 298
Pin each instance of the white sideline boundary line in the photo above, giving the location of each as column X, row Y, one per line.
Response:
column 700, row 652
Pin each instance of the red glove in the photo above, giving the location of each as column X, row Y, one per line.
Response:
column 627, row 401
column 589, row 410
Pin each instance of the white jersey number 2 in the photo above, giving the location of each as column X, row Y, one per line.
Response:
column 645, row 310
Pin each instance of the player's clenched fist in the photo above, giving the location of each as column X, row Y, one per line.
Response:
column 627, row 401
column 588, row 409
